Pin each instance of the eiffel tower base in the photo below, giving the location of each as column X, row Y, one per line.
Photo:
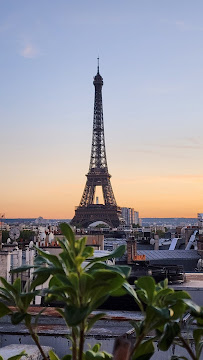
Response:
column 86, row 215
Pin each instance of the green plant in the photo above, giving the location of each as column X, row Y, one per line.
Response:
column 82, row 283
column 82, row 288
column 163, row 315
column 16, row 296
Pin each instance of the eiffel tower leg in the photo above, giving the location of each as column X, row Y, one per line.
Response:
column 88, row 194
column 108, row 194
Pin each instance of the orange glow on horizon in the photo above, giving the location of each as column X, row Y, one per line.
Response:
column 154, row 196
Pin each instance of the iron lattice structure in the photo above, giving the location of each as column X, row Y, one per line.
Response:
column 98, row 175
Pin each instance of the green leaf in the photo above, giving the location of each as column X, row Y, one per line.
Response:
column 62, row 283
column 148, row 284
column 51, row 270
column 107, row 356
column 82, row 242
column 39, row 280
column 61, row 312
column 161, row 295
column 91, row 355
column 28, row 319
column 93, row 320
column 17, row 357
column 144, row 351
column 199, row 321
column 114, row 254
column 108, row 279
column 8, row 286
column 68, row 260
column 142, row 295
column 6, row 295
column 40, row 260
column 179, row 309
column 17, row 285
column 75, row 315
column 119, row 292
column 4, row 310
column 74, row 281
column 21, row 269
column 17, row 317
column 195, row 309
column 104, row 283
column 79, row 260
column 162, row 313
column 85, row 283
column 96, row 347
column 132, row 292
column 197, row 335
column 177, row 295
column 171, row 330
column 88, row 252
column 163, row 284
column 98, row 300
column 53, row 356
column 67, row 357
column 27, row 298
column 68, row 233
column 138, row 325
column 122, row 269
column 53, row 259
column 62, row 292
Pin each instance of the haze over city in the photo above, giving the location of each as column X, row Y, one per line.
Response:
column 151, row 56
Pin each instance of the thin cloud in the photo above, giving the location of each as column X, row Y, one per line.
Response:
column 191, row 147
column 161, row 90
column 140, row 151
column 181, row 25
column 187, row 142
column 29, row 51
column 193, row 140
column 186, row 177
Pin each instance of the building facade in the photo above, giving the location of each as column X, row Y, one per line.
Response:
column 130, row 216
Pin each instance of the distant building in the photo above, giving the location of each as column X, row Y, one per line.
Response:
column 200, row 220
column 130, row 216
column 136, row 218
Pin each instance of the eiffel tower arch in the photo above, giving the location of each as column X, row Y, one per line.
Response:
column 98, row 175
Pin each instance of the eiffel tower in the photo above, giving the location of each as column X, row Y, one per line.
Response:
column 88, row 212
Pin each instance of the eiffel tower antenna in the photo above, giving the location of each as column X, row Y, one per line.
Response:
column 98, row 175
column 98, row 65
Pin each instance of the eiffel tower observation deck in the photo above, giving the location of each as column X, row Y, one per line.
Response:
column 98, row 175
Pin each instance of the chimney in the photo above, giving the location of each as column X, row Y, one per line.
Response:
column 156, row 242
column 200, row 243
column 131, row 249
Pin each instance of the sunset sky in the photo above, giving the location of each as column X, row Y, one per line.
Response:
column 151, row 60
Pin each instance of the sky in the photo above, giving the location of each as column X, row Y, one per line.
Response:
column 151, row 60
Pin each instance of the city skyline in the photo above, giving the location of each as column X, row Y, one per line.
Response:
column 151, row 62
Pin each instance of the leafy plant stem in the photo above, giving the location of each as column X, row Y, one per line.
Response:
column 137, row 343
column 81, row 345
column 36, row 340
column 74, row 345
column 188, row 348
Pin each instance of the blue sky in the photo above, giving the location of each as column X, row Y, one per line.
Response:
column 151, row 59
